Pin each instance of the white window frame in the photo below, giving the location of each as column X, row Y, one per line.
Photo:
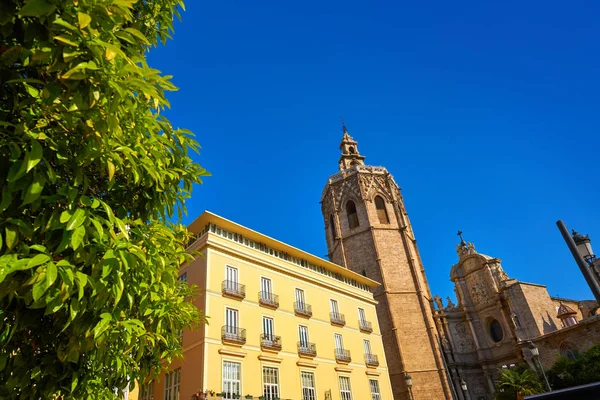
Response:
column 266, row 283
column 339, row 343
column 308, row 392
column 362, row 315
column 367, row 346
column 235, row 281
column 306, row 340
column 334, row 306
column 266, row 325
column 374, row 387
column 237, row 321
column 345, row 390
column 227, row 379
column 172, row 384
column 302, row 298
column 147, row 391
column 271, row 395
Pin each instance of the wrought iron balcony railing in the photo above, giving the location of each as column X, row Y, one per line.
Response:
column 233, row 289
column 233, row 334
column 268, row 299
column 270, row 342
column 365, row 326
column 307, row 349
column 372, row 360
column 303, row 309
column 343, row 355
column 337, row 318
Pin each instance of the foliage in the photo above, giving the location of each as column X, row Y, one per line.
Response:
column 585, row 369
column 91, row 173
column 518, row 380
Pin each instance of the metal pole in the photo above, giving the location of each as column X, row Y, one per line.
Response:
column 544, row 373
column 585, row 270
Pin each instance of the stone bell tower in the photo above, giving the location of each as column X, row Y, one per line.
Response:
column 368, row 231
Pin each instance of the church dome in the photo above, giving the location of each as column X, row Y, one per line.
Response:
column 565, row 311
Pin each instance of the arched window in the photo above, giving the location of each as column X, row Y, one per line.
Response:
column 352, row 215
column 332, row 228
column 351, row 150
column 569, row 350
column 381, row 211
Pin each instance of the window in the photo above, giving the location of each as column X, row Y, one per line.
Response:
column 300, row 298
column 183, row 277
column 496, row 332
column 339, row 341
column 172, row 385
column 352, row 150
column 352, row 215
column 334, row 306
column 569, row 350
column 270, row 383
column 308, row 386
column 515, row 320
column 367, row 346
column 332, row 227
column 231, row 379
column 382, row 214
column 268, row 329
column 303, row 336
column 345, row 391
column 374, row 385
column 231, row 276
column 147, row 391
column 361, row 315
column 265, row 287
column 231, row 322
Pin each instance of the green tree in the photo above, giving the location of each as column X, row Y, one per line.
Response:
column 518, row 381
column 91, row 174
column 580, row 371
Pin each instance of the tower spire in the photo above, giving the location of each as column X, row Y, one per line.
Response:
column 350, row 156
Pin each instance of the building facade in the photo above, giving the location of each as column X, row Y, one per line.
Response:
column 368, row 231
column 498, row 317
column 284, row 324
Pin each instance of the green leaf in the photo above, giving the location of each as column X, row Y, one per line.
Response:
column 83, row 19
column 77, row 237
column 39, row 259
column 65, row 216
column 76, row 219
column 101, row 326
column 51, row 273
column 66, row 41
column 137, row 34
column 6, row 198
column 35, row 156
column 35, row 189
column 36, row 8
column 39, row 288
column 12, row 236
column 98, row 227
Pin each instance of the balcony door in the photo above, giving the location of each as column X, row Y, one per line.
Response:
column 231, row 321
column 367, row 346
column 300, row 298
column 268, row 329
column 232, row 278
column 361, row 315
column 334, row 306
column 303, row 336
column 339, row 342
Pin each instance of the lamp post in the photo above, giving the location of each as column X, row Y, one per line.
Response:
column 463, row 386
column 408, row 380
column 535, row 352
column 581, row 249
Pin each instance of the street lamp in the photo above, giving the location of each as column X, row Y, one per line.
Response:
column 463, row 386
column 535, row 352
column 581, row 249
column 408, row 380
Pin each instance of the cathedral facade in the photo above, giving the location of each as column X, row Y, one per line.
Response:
column 499, row 319
column 368, row 231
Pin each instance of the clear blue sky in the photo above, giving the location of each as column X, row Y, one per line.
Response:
column 486, row 113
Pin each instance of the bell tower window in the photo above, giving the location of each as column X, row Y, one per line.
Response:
column 352, row 215
column 351, row 149
column 382, row 214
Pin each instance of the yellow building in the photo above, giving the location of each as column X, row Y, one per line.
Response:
column 283, row 324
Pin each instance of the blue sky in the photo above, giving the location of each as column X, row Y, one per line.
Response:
column 486, row 113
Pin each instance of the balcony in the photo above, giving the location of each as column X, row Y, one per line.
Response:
column 303, row 309
column 307, row 349
column 342, row 356
column 268, row 299
column 233, row 289
column 365, row 326
column 337, row 318
column 233, row 335
column 270, row 342
column 371, row 360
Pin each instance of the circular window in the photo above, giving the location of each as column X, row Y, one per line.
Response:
column 496, row 332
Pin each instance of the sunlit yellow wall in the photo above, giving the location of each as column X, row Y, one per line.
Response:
column 204, row 351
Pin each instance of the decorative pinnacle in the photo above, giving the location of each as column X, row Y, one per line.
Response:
column 459, row 234
column 343, row 125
